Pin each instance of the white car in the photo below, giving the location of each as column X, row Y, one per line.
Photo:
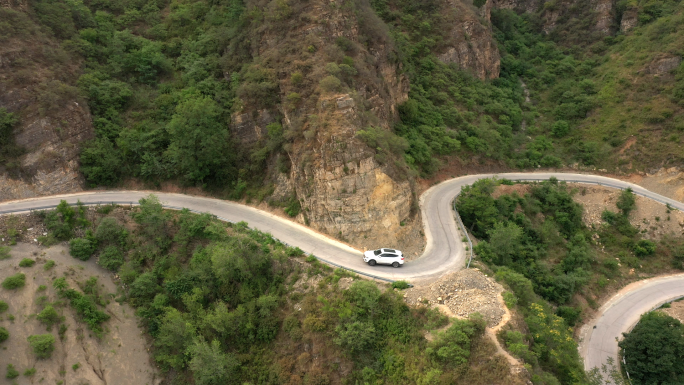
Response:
column 384, row 257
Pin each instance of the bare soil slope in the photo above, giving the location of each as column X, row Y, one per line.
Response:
column 119, row 357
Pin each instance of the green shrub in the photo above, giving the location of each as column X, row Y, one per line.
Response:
column 61, row 221
column 570, row 314
column 5, row 252
column 560, row 129
column 330, row 84
column 293, row 207
column 111, row 258
column 626, row 202
column 145, row 287
column 452, row 346
column 109, row 231
column 49, row 317
column 3, row 307
column 355, row 336
column 14, row 282
column 644, row 248
column 49, row 265
column 27, row 262
column 43, row 345
column 297, row 78
column 401, row 285
column 11, row 372
column 81, row 248
column 510, row 299
column 29, row 372
column 4, row 334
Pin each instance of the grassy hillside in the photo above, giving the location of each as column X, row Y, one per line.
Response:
column 538, row 244
column 228, row 305
column 640, row 92
column 616, row 102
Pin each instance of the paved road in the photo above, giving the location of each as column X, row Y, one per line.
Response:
column 621, row 313
column 444, row 251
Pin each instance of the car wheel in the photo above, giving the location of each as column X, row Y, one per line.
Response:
column 395, row 264
column 371, row 262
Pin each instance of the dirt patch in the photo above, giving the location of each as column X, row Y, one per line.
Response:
column 520, row 189
column 119, row 357
column 462, row 293
column 628, row 144
column 676, row 310
column 649, row 215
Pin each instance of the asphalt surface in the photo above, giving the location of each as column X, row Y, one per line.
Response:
column 621, row 313
column 444, row 252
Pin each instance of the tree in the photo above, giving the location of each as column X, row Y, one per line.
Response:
column 210, row 366
column 654, row 350
column 477, row 207
column 173, row 338
column 109, row 231
column 365, row 295
column 626, row 202
column 101, row 163
column 81, row 248
column 506, row 241
column 356, row 336
column 452, row 346
column 43, row 345
column 111, row 258
column 200, row 148
column 8, row 122
column 145, row 287
column 153, row 220
column 4, row 334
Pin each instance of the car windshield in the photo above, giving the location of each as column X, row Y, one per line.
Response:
column 377, row 252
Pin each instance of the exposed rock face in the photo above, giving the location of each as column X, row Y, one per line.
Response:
column 473, row 46
column 664, row 65
column 20, row 5
column 53, row 121
column 247, row 129
column 630, row 18
column 343, row 190
column 602, row 12
column 605, row 15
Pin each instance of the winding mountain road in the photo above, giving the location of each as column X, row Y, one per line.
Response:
column 444, row 252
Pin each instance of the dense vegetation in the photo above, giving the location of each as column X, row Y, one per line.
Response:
column 150, row 68
column 154, row 85
column 654, row 350
column 9, row 151
column 538, row 245
column 226, row 304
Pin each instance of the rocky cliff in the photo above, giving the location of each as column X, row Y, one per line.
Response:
column 593, row 16
column 36, row 78
column 343, row 187
column 472, row 44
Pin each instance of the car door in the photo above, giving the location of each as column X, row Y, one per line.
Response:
column 386, row 259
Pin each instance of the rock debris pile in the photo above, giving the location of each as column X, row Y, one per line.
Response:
column 464, row 293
